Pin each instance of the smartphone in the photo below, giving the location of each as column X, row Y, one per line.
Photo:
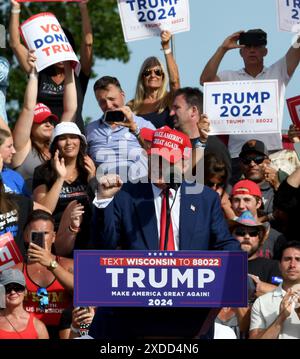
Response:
column 38, row 238
column 114, row 116
column 252, row 38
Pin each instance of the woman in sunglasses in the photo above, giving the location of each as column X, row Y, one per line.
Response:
column 15, row 322
column 216, row 178
column 152, row 100
column 33, row 129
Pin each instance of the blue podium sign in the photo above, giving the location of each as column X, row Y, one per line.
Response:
column 160, row 278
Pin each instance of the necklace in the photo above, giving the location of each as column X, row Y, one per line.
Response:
column 11, row 324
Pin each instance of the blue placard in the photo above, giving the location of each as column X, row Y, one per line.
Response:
column 160, row 279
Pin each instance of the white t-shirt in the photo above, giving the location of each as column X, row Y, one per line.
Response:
column 277, row 71
column 223, row 332
column 265, row 310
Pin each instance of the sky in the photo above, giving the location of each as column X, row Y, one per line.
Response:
column 211, row 22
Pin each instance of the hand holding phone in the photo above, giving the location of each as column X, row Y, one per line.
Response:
column 38, row 238
column 114, row 116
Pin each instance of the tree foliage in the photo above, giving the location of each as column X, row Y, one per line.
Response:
column 108, row 37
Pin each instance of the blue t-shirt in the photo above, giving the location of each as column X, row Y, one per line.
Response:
column 13, row 182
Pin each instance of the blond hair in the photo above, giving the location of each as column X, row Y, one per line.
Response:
column 140, row 92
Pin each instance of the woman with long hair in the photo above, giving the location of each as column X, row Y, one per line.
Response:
column 34, row 127
column 152, row 100
column 216, row 177
column 66, row 177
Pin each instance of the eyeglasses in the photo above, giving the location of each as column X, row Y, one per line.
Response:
column 252, row 232
column 257, row 159
column 18, row 288
column 149, row 72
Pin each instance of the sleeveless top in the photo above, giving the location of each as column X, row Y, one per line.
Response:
column 28, row 333
column 26, row 169
column 59, row 299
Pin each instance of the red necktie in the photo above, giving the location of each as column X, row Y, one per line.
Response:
column 165, row 208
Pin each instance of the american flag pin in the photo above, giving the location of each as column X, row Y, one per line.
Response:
column 193, row 208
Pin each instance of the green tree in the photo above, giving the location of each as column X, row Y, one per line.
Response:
column 108, row 37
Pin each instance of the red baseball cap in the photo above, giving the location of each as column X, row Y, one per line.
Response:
column 246, row 187
column 170, row 144
column 43, row 112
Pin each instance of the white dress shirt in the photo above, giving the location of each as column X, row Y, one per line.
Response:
column 175, row 210
column 174, row 202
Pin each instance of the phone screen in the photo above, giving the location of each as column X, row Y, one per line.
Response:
column 38, row 238
column 114, row 116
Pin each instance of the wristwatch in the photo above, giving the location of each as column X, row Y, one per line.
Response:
column 53, row 264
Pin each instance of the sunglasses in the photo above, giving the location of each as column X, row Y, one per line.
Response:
column 257, row 159
column 217, row 185
column 241, row 232
column 157, row 72
column 18, row 288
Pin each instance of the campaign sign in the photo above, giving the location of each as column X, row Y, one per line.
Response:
column 294, row 109
column 242, row 107
column 147, row 18
column 43, row 33
column 288, row 15
column 10, row 254
column 160, row 279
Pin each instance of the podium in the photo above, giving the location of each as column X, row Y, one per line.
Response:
column 158, row 294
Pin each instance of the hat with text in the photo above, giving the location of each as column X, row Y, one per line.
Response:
column 12, row 276
column 43, row 113
column 246, row 187
column 254, row 146
column 170, row 144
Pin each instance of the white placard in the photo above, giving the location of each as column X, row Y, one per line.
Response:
column 142, row 19
column 242, row 107
column 288, row 15
column 43, row 33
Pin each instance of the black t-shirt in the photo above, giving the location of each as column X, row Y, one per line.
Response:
column 159, row 119
column 51, row 94
column 77, row 190
column 15, row 220
column 266, row 269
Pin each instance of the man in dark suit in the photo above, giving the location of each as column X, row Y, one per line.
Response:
column 130, row 216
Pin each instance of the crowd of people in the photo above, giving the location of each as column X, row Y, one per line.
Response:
column 150, row 179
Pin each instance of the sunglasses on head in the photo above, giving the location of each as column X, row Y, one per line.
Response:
column 252, row 232
column 18, row 288
column 257, row 159
column 149, row 72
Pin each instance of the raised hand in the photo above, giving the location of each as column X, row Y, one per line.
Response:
column 90, row 167
column 231, row 42
column 15, row 4
column 165, row 37
column 203, row 127
column 37, row 254
column 108, row 186
column 59, row 166
column 31, row 59
column 76, row 212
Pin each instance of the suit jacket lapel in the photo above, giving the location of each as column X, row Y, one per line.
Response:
column 189, row 206
column 146, row 216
